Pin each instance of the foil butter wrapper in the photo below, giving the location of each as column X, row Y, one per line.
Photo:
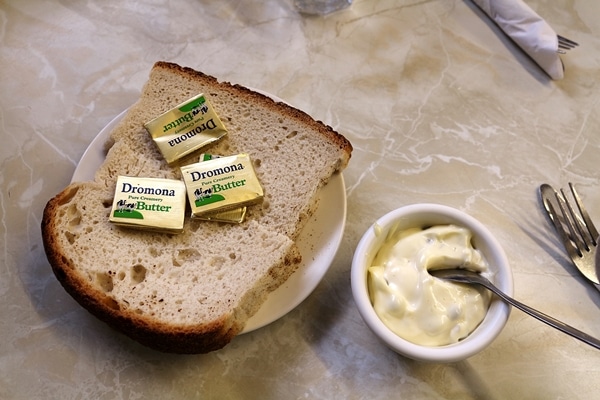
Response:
column 186, row 128
column 149, row 203
column 221, row 184
column 235, row 215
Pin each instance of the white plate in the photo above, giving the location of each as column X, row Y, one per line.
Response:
column 318, row 242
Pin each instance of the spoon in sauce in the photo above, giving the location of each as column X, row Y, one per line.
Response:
column 466, row 276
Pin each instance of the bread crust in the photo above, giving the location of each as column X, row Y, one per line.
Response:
column 187, row 339
column 78, row 215
column 327, row 131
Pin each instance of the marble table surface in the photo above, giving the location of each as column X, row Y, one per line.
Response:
column 440, row 107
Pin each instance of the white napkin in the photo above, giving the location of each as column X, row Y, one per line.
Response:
column 528, row 30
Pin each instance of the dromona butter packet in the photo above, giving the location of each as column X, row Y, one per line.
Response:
column 235, row 215
column 221, row 184
column 186, row 128
column 149, row 203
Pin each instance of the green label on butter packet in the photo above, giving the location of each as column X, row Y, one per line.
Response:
column 221, row 184
column 149, row 203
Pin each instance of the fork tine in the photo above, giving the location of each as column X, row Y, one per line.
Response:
column 591, row 228
column 560, row 217
column 572, row 251
column 575, row 236
column 567, row 42
column 566, row 46
column 572, row 224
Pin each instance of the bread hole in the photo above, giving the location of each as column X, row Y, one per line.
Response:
column 257, row 162
column 66, row 261
column 276, row 148
column 232, row 256
column 111, row 303
column 138, row 273
column 217, row 262
column 138, row 311
column 89, row 229
column 107, row 203
column 154, row 252
column 74, row 216
column 68, row 196
column 105, row 281
column 195, row 224
column 70, row 237
column 291, row 134
column 184, row 255
column 121, row 275
column 76, row 220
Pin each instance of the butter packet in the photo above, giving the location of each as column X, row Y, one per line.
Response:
column 235, row 215
column 221, row 184
column 186, row 128
column 149, row 203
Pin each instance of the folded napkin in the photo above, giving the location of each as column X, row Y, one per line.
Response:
column 528, row 30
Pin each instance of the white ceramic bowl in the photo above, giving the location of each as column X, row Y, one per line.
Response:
column 422, row 215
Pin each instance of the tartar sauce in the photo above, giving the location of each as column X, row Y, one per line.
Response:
column 413, row 304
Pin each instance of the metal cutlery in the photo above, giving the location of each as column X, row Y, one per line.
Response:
column 575, row 228
column 466, row 276
column 565, row 44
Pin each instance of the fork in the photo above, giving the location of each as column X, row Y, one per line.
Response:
column 576, row 230
column 565, row 44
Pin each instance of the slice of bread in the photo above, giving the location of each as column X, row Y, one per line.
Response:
column 192, row 292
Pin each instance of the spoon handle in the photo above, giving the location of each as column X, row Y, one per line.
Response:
column 569, row 330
